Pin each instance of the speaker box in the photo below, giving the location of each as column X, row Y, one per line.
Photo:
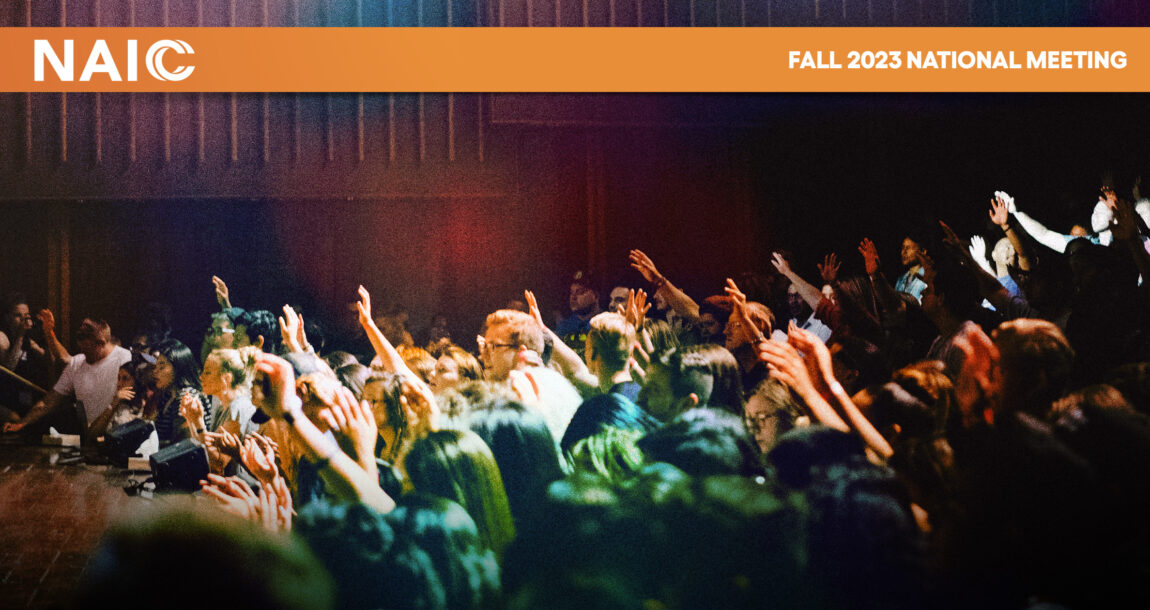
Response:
column 180, row 466
column 121, row 442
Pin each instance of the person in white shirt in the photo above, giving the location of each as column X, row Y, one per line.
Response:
column 89, row 377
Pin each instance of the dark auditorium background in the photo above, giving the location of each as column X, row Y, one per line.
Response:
column 454, row 203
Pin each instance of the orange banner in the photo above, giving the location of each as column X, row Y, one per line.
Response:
column 574, row 59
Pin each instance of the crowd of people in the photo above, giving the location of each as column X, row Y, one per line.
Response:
column 970, row 435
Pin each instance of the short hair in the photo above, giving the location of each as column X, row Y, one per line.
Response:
column 611, row 338
column 95, row 329
column 371, row 565
column 339, row 358
column 761, row 316
column 468, row 365
column 524, row 329
column 704, row 442
column 261, row 323
column 443, row 529
column 354, row 377
column 784, row 405
column 599, row 413
column 1036, row 362
column 708, row 371
column 459, row 466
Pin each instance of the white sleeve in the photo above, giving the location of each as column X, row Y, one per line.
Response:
column 65, row 386
column 1051, row 239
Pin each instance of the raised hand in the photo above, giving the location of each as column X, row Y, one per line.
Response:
column 221, row 293
column 233, row 495
column 816, row 357
column 780, row 264
column 353, row 424
column 829, row 268
column 1124, row 225
column 420, row 406
column 225, row 442
column 978, row 248
column 192, row 410
column 47, row 320
column 636, row 308
column 1005, row 198
column 533, row 308
column 739, row 300
column 259, row 458
column 870, row 255
column 643, row 264
column 279, row 386
column 1109, row 197
column 291, row 326
column 364, row 307
column 787, row 365
column 979, row 381
column 1000, row 210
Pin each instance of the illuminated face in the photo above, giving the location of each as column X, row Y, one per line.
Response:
column 19, row 316
column 762, row 421
column 446, row 374
column 498, row 353
column 124, row 380
column 910, row 252
column 582, row 298
column 1078, row 231
column 828, row 293
column 373, row 395
column 211, row 379
column 618, row 299
column 221, row 334
column 163, row 374
column 710, row 325
column 735, row 334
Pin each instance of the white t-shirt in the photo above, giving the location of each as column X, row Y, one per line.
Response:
column 93, row 384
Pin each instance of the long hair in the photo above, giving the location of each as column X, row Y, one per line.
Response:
column 185, row 365
column 459, row 466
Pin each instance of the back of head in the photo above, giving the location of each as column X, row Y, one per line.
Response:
column 609, row 341
column 459, row 466
column 524, row 450
column 354, row 377
column 144, row 561
column 261, row 323
column 803, row 451
column 605, row 411
column 97, row 330
column 1036, row 361
column 708, row 371
column 704, row 442
column 371, row 565
column 443, row 529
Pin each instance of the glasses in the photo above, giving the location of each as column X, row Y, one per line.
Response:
column 497, row 346
column 758, row 420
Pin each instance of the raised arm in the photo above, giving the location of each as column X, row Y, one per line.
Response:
column 884, row 292
column 818, row 358
column 55, row 348
column 339, row 471
column 1000, row 208
column 568, row 360
column 810, row 293
column 1051, row 239
column 1126, row 231
column 678, row 300
column 988, row 285
column 221, row 293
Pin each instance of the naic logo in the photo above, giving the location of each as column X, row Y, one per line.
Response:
column 101, row 61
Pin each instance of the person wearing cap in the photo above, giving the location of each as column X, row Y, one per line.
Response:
column 584, row 304
column 90, row 376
